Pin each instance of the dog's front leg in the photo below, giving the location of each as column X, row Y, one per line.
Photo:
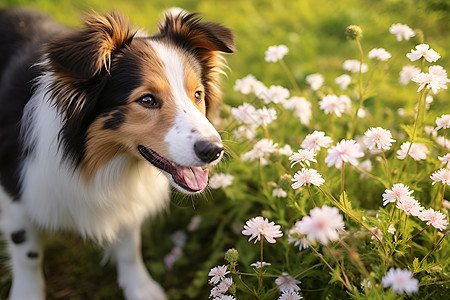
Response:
column 25, row 251
column 133, row 277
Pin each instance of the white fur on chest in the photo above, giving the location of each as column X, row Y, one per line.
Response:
column 123, row 193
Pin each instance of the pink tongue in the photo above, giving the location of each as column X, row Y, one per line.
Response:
column 195, row 177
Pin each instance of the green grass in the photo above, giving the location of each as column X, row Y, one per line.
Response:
column 314, row 33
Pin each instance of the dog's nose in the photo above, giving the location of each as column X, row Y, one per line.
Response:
column 208, row 150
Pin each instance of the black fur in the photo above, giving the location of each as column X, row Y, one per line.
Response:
column 19, row 237
column 22, row 33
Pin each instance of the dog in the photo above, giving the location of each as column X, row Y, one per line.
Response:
column 96, row 124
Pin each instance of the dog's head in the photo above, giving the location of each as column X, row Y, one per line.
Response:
column 146, row 96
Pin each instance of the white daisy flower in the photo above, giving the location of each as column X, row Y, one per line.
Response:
column 218, row 273
column 258, row 264
column 275, row 53
column 398, row 192
column 264, row 116
column 380, row 54
column 323, row 224
column 316, row 140
column 344, row 151
column 410, row 206
column 407, row 73
column 244, row 113
column 443, row 122
column 442, row 175
column 287, row 283
column 258, row 226
column 301, row 107
column 307, row 176
column 276, row 94
column 379, row 138
column 334, row 104
column 423, row 50
column 291, row 295
column 401, row 281
column 445, row 160
column 259, row 149
column 401, row 32
column 343, row 81
column 303, row 156
column 418, row 151
column 353, row 66
column 220, row 180
column 315, row 81
column 245, row 85
column 279, row 193
column 435, row 218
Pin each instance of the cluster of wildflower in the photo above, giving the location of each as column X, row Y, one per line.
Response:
column 325, row 224
column 401, row 195
column 222, row 284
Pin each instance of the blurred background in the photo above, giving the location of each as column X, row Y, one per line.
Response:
column 313, row 30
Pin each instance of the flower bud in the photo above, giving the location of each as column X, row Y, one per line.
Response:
column 232, row 256
column 353, row 32
column 275, row 157
column 285, row 182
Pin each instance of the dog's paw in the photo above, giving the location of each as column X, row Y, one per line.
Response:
column 137, row 284
column 148, row 291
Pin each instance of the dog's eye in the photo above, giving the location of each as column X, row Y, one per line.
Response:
column 198, row 96
column 148, row 101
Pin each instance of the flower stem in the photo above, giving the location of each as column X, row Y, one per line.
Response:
column 387, row 167
column 444, row 146
column 347, row 286
column 342, row 184
column 435, row 246
column 418, row 233
column 261, row 269
column 354, row 256
column 314, row 203
column 361, row 91
column 289, row 74
column 442, row 198
column 416, row 121
column 404, row 225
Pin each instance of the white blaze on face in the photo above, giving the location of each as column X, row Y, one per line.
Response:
column 190, row 124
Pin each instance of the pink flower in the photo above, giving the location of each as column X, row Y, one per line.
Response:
column 445, row 160
column 435, row 218
column 316, row 140
column 379, row 137
column 423, row 50
column 323, row 224
column 286, row 283
column 258, row 226
column 344, row 151
column 418, row 151
column 218, row 273
column 307, row 176
column 398, row 192
column 443, row 122
column 401, row 281
column 410, row 206
column 435, row 79
column 258, row 264
column 442, row 175
column 291, row 295
column 334, row 104
column 303, row 156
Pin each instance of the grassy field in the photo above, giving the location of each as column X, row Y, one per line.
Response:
column 313, row 30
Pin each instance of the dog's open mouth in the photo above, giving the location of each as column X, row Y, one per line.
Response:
column 192, row 179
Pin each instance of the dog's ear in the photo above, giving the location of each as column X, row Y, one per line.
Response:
column 84, row 53
column 187, row 30
column 205, row 40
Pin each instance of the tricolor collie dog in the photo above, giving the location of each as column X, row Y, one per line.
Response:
column 96, row 123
